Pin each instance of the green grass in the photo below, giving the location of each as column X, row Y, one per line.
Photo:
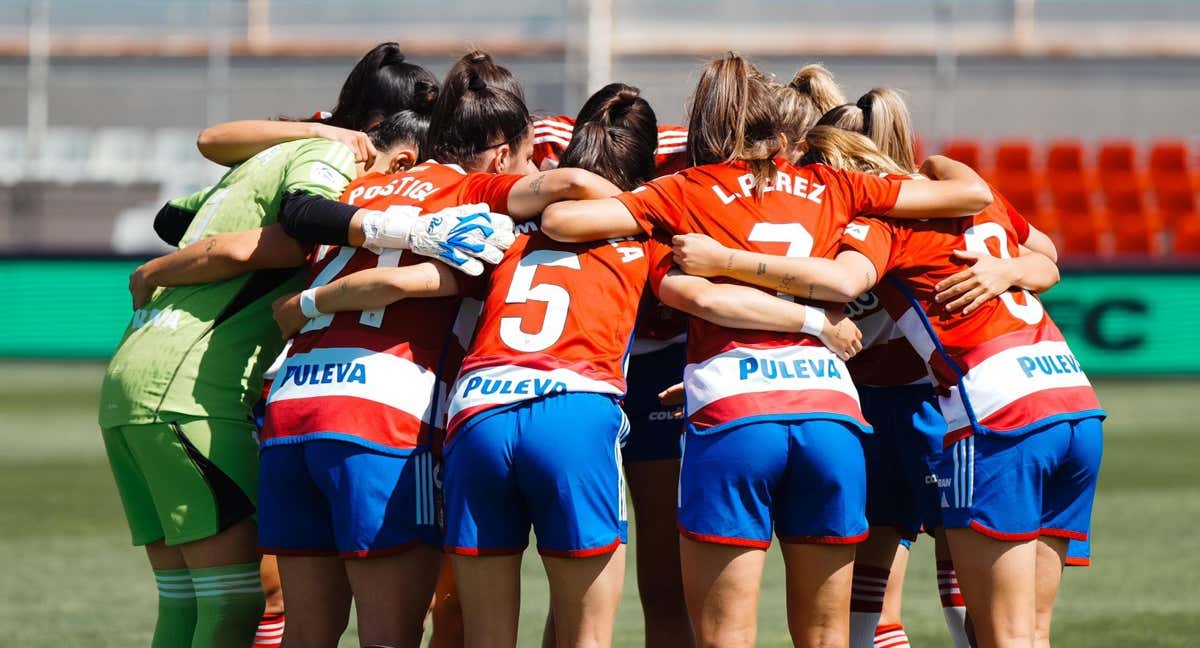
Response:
column 71, row 578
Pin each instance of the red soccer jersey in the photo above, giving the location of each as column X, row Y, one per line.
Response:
column 558, row 318
column 737, row 374
column 551, row 136
column 379, row 377
column 1005, row 368
column 887, row 359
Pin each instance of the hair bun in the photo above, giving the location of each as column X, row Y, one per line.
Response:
column 476, row 82
column 479, row 57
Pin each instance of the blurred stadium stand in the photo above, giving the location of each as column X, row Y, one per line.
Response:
column 1081, row 111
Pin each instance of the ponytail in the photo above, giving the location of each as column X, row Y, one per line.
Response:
column 380, row 84
column 887, row 122
column 734, row 117
column 477, row 111
column 844, row 149
column 615, row 135
column 803, row 101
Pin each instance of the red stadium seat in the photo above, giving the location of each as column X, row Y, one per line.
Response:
column 1169, row 157
column 963, row 150
column 1065, row 158
column 1079, row 224
column 1185, row 237
column 1136, row 228
column 1118, row 156
column 1020, row 190
column 1014, row 156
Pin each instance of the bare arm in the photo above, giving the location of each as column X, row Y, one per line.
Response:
column 1039, row 242
column 735, row 306
column 234, row 142
column 533, row 193
column 588, row 220
column 988, row 277
column 368, row 290
column 216, row 258
column 956, row 191
column 841, row 280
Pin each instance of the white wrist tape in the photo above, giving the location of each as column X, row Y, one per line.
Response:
column 308, row 304
column 814, row 321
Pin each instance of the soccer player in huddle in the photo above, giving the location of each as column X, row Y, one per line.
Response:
column 1023, row 443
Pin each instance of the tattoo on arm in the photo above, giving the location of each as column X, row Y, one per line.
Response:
column 785, row 281
column 208, row 247
column 536, row 185
column 812, row 289
column 762, row 268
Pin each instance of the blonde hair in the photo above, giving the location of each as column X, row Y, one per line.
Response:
column 810, row 94
column 843, row 149
column 734, row 117
column 881, row 115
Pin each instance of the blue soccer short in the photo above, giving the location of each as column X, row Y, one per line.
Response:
column 806, row 478
column 324, row 497
column 903, row 451
column 553, row 463
column 1079, row 552
column 1016, row 488
column 655, row 431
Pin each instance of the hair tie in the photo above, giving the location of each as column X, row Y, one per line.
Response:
column 864, row 104
column 476, row 83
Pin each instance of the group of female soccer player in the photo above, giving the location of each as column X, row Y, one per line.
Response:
column 453, row 380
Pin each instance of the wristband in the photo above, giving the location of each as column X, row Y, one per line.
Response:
column 308, row 304
column 814, row 321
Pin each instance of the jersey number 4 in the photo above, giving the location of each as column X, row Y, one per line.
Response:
column 524, row 290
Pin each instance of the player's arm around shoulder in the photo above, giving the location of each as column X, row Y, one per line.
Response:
column 364, row 290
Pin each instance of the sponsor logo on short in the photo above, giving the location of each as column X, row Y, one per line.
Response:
column 1049, row 364
column 326, row 373
column 799, row 369
column 529, row 386
column 164, row 318
column 933, row 480
column 666, row 415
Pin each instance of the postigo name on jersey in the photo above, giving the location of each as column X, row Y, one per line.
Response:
column 325, row 373
column 1049, row 364
column 408, row 187
column 528, row 386
column 798, row 186
column 159, row 318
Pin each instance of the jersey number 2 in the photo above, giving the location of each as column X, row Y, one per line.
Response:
column 523, row 290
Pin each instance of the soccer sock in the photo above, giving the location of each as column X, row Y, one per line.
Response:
column 866, row 604
column 229, row 605
column 953, row 607
column 891, row 636
column 176, row 609
column 270, row 631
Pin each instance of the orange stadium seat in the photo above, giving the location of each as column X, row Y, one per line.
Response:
column 1117, row 156
column 1169, row 157
column 1014, row 156
column 1135, row 226
column 1185, row 237
column 964, row 150
column 1079, row 224
column 1065, row 161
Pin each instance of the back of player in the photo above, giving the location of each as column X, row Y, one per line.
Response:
column 338, row 387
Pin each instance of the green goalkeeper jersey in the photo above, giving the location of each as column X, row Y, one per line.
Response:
column 201, row 350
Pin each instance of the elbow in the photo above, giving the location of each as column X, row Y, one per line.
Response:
column 205, row 142
column 979, row 196
column 556, row 223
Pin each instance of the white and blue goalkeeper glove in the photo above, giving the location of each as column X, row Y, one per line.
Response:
column 463, row 237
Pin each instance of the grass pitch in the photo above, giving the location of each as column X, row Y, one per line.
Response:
column 70, row 577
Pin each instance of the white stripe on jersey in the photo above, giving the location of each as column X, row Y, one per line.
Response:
column 1008, row 376
column 361, row 373
column 745, row 371
column 510, row 384
column 548, row 126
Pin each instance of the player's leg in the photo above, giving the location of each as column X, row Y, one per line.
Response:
column 383, row 510
column 446, row 610
column 870, row 583
column 1067, row 512
column 994, row 492
column 176, row 620
column 954, row 609
column 203, row 477
column 653, row 490
column 651, row 455
column 821, row 517
column 295, row 523
column 890, row 631
column 573, row 486
column 270, row 626
column 727, row 490
column 487, row 528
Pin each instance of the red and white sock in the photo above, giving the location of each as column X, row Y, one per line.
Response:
column 866, row 604
column 270, row 631
column 953, row 607
column 891, row 636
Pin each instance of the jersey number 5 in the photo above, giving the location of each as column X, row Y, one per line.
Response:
column 976, row 237
column 523, row 290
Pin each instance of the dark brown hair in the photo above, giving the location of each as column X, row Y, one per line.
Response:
column 615, row 135
column 734, row 116
column 477, row 111
column 381, row 84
